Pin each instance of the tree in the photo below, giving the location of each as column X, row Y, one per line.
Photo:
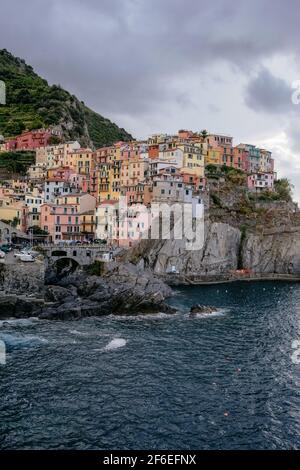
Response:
column 54, row 140
column 284, row 189
column 15, row 222
column 36, row 230
column 204, row 134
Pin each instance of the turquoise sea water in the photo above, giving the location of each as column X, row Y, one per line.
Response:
column 224, row 381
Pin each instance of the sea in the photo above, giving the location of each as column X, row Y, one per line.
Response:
column 226, row 380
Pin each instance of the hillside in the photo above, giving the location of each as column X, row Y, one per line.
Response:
column 15, row 163
column 31, row 103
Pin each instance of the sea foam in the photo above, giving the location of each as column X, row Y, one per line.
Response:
column 115, row 343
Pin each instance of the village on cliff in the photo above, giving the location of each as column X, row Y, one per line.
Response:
column 67, row 193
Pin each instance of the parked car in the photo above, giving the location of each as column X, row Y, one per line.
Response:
column 26, row 251
column 27, row 258
column 5, row 248
column 2, row 254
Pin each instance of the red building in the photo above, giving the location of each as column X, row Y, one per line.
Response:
column 30, row 140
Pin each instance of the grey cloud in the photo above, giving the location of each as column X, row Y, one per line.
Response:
column 124, row 57
column 127, row 51
column 270, row 94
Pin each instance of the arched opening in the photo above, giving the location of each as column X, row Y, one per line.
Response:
column 65, row 266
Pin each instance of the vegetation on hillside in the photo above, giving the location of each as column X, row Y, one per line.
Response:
column 31, row 104
column 16, row 162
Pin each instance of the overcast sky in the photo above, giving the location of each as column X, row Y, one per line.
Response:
column 161, row 65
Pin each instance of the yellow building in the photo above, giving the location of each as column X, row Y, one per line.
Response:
column 214, row 156
column 133, row 171
column 114, row 179
column 193, row 158
column 14, row 211
column 81, row 161
column 88, row 224
column 108, row 176
column 103, row 172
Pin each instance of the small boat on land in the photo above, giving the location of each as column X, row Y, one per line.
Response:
column 27, row 258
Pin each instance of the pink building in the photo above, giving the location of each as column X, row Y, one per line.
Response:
column 62, row 220
column 216, row 140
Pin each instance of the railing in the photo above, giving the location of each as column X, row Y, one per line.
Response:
column 77, row 246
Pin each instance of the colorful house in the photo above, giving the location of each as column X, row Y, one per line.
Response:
column 261, row 182
column 64, row 219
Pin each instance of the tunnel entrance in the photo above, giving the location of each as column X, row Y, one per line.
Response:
column 65, row 266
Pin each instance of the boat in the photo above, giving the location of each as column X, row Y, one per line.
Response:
column 26, row 258
column 172, row 270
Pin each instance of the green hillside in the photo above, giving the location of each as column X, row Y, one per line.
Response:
column 31, row 104
column 15, row 162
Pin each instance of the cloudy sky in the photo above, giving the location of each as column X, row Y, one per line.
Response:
column 160, row 65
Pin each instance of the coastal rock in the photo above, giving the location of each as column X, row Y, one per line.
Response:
column 259, row 250
column 218, row 255
column 124, row 290
column 197, row 308
column 19, row 307
column 59, row 294
column 273, row 251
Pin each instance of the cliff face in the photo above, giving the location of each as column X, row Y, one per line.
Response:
column 219, row 254
column 276, row 250
column 227, row 248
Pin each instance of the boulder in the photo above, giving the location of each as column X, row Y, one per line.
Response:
column 197, row 308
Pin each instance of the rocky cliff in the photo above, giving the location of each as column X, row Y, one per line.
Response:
column 125, row 289
column 270, row 249
column 275, row 250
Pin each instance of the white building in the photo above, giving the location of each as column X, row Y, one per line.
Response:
column 55, row 187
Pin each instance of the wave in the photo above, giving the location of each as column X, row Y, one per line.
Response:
column 79, row 333
column 145, row 316
column 19, row 342
column 18, row 322
column 115, row 343
column 215, row 313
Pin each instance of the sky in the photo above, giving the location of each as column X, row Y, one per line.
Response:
column 161, row 65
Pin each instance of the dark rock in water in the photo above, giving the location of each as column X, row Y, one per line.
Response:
column 19, row 307
column 125, row 290
column 197, row 308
